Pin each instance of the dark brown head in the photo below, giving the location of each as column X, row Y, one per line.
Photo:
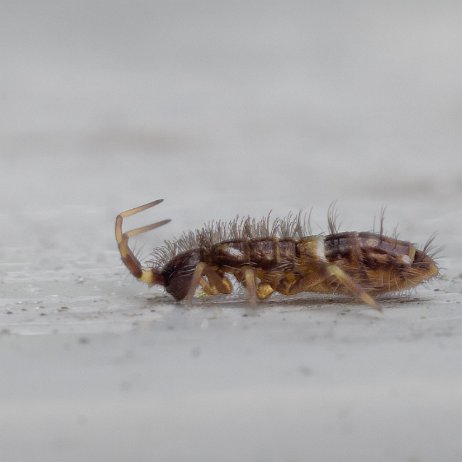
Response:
column 425, row 265
column 178, row 272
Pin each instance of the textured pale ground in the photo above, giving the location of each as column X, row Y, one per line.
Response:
column 224, row 109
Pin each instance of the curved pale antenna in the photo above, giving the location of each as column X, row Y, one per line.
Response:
column 148, row 275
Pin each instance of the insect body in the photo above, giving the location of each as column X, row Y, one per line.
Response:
column 278, row 256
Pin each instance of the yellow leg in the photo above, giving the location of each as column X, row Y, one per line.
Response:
column 251, row 284
column 304, row 284
column 327, row 271
column 264, row 290
column 214, row 284
column 207, row 288
column 219, row 281
column 195, row 281
column 352, row 286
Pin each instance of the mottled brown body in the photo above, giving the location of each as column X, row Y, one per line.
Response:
column 361, row 264
column 377, row 263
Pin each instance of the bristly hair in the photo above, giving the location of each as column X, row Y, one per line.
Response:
column 294, row 226
column 380, row 231
column 332, row 218
column 430, row 249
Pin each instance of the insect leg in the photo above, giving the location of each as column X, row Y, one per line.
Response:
column 218, row 281
column 148, row 275
column 251, row 284
column 207, row 288
column 195, row 281
column 352, row 286
column 213, row 285
column 264, row 290
column 304, row 284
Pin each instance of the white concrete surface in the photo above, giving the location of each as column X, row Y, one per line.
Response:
column 224, row 108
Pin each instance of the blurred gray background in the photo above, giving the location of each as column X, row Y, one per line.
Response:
column 224, row 108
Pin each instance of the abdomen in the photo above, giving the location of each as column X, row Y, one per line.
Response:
column 379, row 263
